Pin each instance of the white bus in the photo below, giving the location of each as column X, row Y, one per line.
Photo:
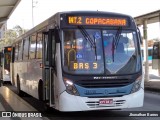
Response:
column 77, row 61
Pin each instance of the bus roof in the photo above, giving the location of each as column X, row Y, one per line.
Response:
column 47, row 24
column 93, row 12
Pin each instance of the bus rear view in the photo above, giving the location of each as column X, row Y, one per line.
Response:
column 101, row 62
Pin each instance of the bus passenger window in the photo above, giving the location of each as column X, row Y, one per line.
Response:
column 32, row 46
column 16, row 52
column 20, row 46
column 25, row 48
column 39, row 46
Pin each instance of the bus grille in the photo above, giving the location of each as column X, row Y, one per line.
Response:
column 103, row 83
column 95, row 104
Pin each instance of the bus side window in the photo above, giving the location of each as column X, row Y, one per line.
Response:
column 39, row 46
column 25, row 49
column 32, row 48
column 16, row 52
column 53, row 49
column 20, row 55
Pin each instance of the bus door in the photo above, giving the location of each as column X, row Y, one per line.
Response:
column 156, row 56
column 48, row 72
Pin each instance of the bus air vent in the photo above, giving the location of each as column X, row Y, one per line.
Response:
column 103, row 83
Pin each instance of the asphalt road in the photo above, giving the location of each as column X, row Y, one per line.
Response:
column 151, row 106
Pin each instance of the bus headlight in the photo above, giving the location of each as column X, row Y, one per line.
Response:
column 137, row 84
column 70, row 88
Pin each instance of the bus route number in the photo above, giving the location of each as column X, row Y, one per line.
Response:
column 75, row 20
column 83, row 66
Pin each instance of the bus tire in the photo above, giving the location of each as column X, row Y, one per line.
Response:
column 40, row 90
column 20, row 93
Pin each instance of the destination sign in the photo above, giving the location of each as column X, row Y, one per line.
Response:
column 105, row 21
column 83, row 65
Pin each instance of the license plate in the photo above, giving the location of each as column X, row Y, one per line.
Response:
column 106, row 101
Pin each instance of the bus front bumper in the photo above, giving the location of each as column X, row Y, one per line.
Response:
column 69, row 102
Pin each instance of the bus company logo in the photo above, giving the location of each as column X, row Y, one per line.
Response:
column 105, row 92
column 113, row 77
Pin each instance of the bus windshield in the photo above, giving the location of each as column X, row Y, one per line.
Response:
column 100, row 51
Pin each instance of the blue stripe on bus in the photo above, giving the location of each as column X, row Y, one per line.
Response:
column 115, row 91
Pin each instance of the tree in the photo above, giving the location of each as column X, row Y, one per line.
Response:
column 11, row 35
column 19, row 30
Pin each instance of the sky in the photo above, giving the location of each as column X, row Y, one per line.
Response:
column 43, row 9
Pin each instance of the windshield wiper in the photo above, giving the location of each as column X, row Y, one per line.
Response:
column 117, row 37
column 86, row 35
column 113, row 49
column 88, row 38
column 116, row 41
column 95, row 48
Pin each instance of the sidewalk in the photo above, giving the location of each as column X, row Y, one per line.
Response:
column 154, row 81
column 13, row 107
column 12, row 102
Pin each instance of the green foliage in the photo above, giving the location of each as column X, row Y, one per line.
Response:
column 11, row 35
column 19, row 30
